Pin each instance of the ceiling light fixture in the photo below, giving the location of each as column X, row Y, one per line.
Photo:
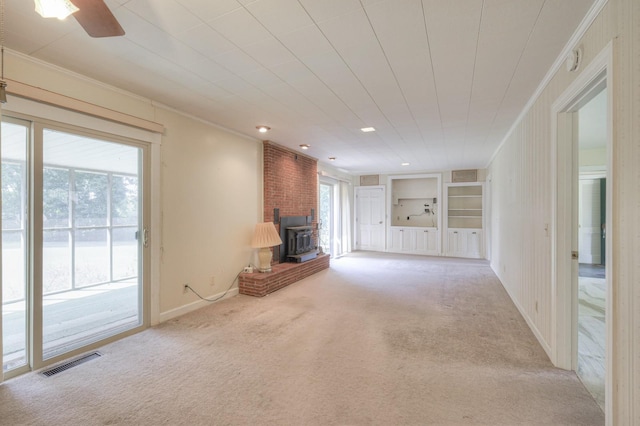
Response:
column 263, row 129
column 368, row 129
column 332, row 158
column 55, row 8
column 304, row 146
column 405, row 164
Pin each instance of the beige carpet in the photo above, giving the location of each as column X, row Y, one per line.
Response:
column 377, row 339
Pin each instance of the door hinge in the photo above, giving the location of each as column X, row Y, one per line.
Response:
column 574, row 254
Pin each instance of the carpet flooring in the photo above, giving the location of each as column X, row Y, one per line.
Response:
column 377, row 339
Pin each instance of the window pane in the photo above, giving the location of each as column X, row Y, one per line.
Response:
column 91, row 199
column 14, row 251
column 13, row 266
column 125, row 253
column 56, row 257
column 124, row 196
column 13, row 180
column 91, row 257
column 55, row 198
column 324, row 235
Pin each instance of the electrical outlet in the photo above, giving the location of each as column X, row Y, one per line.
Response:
column 185, row 289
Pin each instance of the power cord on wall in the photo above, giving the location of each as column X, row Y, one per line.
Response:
column 217, row 298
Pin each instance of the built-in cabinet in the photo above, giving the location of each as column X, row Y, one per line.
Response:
column 415, row 214
column 464, row 219
column 414, row 240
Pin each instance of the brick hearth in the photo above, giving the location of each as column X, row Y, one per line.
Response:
column 260, row 284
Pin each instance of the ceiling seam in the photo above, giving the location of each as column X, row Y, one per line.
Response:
column 218, row 63
column 515, row 69
column 433, row 74
column 395, row 77
column 349, row 68
column 473, row 76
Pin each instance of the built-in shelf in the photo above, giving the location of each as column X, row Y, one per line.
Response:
column 415, row 214
column 464, row 219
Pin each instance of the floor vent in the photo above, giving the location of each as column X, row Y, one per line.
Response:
column 67, row 365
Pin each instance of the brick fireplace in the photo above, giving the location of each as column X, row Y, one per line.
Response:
column 290, row 182
column 291, row 187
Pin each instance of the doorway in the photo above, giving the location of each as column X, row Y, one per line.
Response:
column 591, row 289
column 582, row 325
column 73, row 239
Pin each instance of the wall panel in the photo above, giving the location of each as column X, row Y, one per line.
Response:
column 523, row 207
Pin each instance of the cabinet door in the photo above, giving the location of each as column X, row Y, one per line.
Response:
column 431, row 241
column 408, row 240
column 421, row 241
column 474, row 243
column 427, row 241
column 456, row 243
column 395, row 240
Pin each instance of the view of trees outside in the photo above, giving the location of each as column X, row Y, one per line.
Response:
column 83, row 196
column 83, row 214
column 326, row 194
column 14, row 181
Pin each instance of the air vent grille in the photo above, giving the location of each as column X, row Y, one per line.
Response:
column 67, row 365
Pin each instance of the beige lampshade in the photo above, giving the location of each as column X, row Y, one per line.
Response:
column 265, row 235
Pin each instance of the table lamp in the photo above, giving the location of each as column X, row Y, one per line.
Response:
column 265, row 237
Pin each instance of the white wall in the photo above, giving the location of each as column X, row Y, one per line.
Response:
column 522, row 205
column 211, row 200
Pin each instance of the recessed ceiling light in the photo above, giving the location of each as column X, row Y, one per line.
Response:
column 405, row 164
column 304, row 146
column 368, row 129
column 263, row 129
column 332, row 158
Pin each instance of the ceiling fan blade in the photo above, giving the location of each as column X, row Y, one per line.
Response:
column 96, row 19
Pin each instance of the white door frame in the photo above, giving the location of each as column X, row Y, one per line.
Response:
column 564, row 207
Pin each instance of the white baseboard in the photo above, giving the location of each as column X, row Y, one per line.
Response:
column 185, row 309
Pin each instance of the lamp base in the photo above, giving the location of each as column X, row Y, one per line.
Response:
column 264, row 259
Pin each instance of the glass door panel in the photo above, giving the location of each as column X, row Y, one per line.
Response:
column 15, row 135
column 92, row 287
column 325, row 233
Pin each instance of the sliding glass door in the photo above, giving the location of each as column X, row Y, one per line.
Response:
column 91, row 220
column 82, row 243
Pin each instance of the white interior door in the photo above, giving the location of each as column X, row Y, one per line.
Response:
column 370, row 218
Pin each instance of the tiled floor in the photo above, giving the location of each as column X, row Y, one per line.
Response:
column 591, row 335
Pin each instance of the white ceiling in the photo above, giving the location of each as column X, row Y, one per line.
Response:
column 442, row 81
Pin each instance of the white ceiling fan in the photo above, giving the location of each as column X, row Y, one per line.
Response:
column 93, row 15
